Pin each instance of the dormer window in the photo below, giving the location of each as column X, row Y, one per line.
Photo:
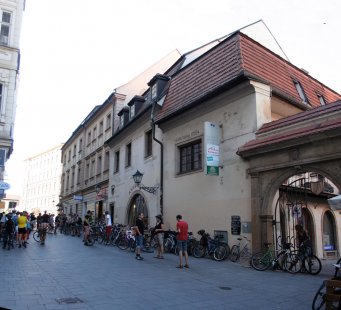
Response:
column 154, row 91
column 157, row 86
column 301, row 92
column 124, row 116
column 135, row 105
column 321, row 99
column 132, row 111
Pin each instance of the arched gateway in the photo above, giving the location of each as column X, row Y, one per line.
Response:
column 309, row 142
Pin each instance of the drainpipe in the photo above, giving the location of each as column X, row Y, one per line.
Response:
column 161, row 154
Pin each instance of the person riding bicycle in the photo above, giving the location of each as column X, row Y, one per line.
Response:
column 45, row 222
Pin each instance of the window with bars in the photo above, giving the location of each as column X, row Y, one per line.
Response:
column 190, row 157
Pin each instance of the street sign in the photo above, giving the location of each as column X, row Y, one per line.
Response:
column 4, row 185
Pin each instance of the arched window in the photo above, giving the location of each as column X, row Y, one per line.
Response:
column 329, row 243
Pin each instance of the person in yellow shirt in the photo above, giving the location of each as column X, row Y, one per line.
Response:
column 22, row 223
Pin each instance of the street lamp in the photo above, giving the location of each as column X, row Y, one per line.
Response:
column 137, row 176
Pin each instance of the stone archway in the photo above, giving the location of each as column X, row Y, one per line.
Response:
column 265, row 184
column 137, row 204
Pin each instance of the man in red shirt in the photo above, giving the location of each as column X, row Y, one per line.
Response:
column 182, row 236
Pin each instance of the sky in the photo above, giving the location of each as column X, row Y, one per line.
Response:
column 74, row 53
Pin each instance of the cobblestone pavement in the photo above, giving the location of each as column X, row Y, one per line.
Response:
column 65, row 274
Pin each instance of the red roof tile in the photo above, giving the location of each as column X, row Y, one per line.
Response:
column 238, row 57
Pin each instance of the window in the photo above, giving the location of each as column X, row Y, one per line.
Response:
column 117, row 162
column 132, row 111
column 322, row 100
column 190, row 157
column 69, row 155
column 100, row 130
column 148, row 143
column 80, row 145
column 99, row 165
column 89, row 137
column 128, row 155
column 92, row 172
column 87, row 172
column 301, row 92
column 5, row 26
column 108, row 124
column 74, row 150
column 121, row 121
column 79, row 175
column 94, row 133
column 106, row 161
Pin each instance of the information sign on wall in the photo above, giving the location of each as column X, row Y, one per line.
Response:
column 235, row 225
column 212, row 140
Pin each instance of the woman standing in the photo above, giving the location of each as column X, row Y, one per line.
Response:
column 158, row 231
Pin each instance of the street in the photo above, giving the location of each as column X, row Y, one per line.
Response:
column 65, row 274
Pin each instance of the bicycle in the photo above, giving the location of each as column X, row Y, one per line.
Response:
column 240, row 250
column 320, row 297
column 284, row 259
column 127, row 240
column 311, row 263
column 208, row 246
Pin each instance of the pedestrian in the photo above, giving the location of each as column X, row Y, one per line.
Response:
column 22, row 224
column 8, row 231
column 45, row 222
column 139, row 232
column 302, row 241
column 86, row 228
column 182, row 236
column 158, row 231
column 2, row 222
column 108, row 226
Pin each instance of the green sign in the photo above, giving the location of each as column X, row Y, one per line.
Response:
column 212, row 170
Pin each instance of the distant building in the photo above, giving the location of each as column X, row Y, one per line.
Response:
column 11, row 12
column 42, row 181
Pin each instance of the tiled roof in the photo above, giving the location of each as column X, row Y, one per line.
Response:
column 235, row 58
column 305, row 124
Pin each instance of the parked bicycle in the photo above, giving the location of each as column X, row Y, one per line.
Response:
column 208, row 246
column 241, row 250
column 320, row 297
column 284, row 259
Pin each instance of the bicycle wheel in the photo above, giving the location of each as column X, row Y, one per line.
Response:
column 312, row 264
column 123, row 243
column 235, row 253
column 36, row 236
column 219, row 253
column 292, row 263
column 228, row 250
column 337, row 273
column 320, row 297
column 198, row 251
column 168, row 245
column 261, row 261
